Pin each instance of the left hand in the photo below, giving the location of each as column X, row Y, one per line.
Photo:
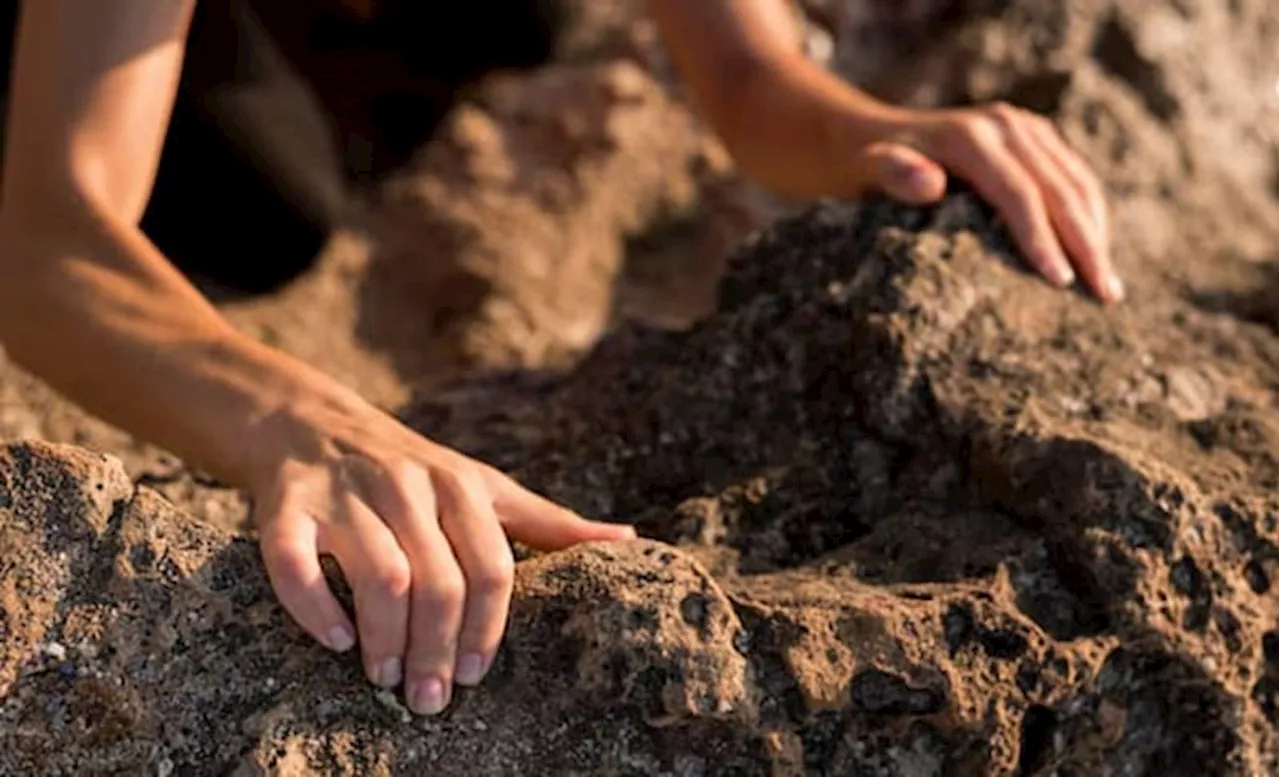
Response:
column 803, row 131
column 1051, row 199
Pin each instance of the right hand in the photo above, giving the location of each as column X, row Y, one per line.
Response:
column 1053, row 202
column 420, row 532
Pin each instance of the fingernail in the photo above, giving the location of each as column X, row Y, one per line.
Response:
column 389, row 673
column 427, row 697
column 1115, row 289
column 918, row 179
column 906, row 180
column 1063, row 276
column 470, row 669
column 340, row 639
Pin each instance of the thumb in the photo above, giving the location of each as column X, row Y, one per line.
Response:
column 904, row 173
column 544, row 525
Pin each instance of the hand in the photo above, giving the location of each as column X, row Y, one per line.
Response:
column 802, row 130
column 420, row 532
column 1051, row 200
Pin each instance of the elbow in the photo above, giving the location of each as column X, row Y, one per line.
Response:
column 28, row 238
column 43, row 237
column 66, row 197
column 34, row 203
column 48, row 214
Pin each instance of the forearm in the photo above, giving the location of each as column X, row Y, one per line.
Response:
column 778, row 114
column 768, row 103
column 95, row 311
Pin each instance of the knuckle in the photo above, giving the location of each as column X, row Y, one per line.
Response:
column 971, row 131
column 1046, row 125
column 399, row 469
column 1024, row 192
column 984, row 127
column 457, row 480
column 445, row 593
column 284, row 560
column 392, row 578
column 394, row 473
column 1061, row 196
column 1004, row 115
column 388, row 466
column 495, row 577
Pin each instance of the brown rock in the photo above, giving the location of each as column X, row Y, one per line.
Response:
column 931, row 502
column 876, row 384
column 910, row 511
column 507, row 240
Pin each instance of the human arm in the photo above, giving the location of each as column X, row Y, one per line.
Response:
column 86, row 301
column 803, row 131
column 88, row 304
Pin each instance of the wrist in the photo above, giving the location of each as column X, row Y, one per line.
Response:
column 295, row 413
column 789, row 124
column 100, row 315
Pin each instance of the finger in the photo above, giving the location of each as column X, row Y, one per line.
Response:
column 1077, row 169
column 1080, row 209
column 381, row 579
column 904, row 173
column 469, row 521
column 439, row 589
column 544, row 525
column 981, row 156
column 1068, row 211
column 290, row 554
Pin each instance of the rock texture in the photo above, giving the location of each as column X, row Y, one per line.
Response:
column 548, row 205
column 964, row 520
column 908, row 511
column 526, row 201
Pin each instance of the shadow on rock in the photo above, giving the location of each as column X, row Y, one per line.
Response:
column 138, row 640
column 907, row 500
column 1251, row 297
column 504, row 241
column 878, row 419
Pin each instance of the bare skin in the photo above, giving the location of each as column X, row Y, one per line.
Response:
column 420, row 531
column 803, row 131
column 87, row 303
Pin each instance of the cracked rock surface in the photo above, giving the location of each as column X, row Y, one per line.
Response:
column 907, row 510
column 911, row 511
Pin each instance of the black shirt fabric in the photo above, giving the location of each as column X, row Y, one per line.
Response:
column 257, row 163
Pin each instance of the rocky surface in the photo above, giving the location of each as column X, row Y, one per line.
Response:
column 548, row 205
column 908, row 511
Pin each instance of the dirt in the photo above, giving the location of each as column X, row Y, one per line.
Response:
column 907, row 510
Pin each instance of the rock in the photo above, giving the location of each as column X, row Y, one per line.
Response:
column 184, row 658
column 917, row 474
column 29, row 410
column 908, row 510
column 874, row 401
column 507, row 238
column 1172, row 102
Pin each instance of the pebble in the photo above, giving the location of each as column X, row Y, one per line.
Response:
column 1194, row 394
column 55, row 651
column 388, row 699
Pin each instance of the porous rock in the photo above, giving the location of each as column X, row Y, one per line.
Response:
column 909, row 511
